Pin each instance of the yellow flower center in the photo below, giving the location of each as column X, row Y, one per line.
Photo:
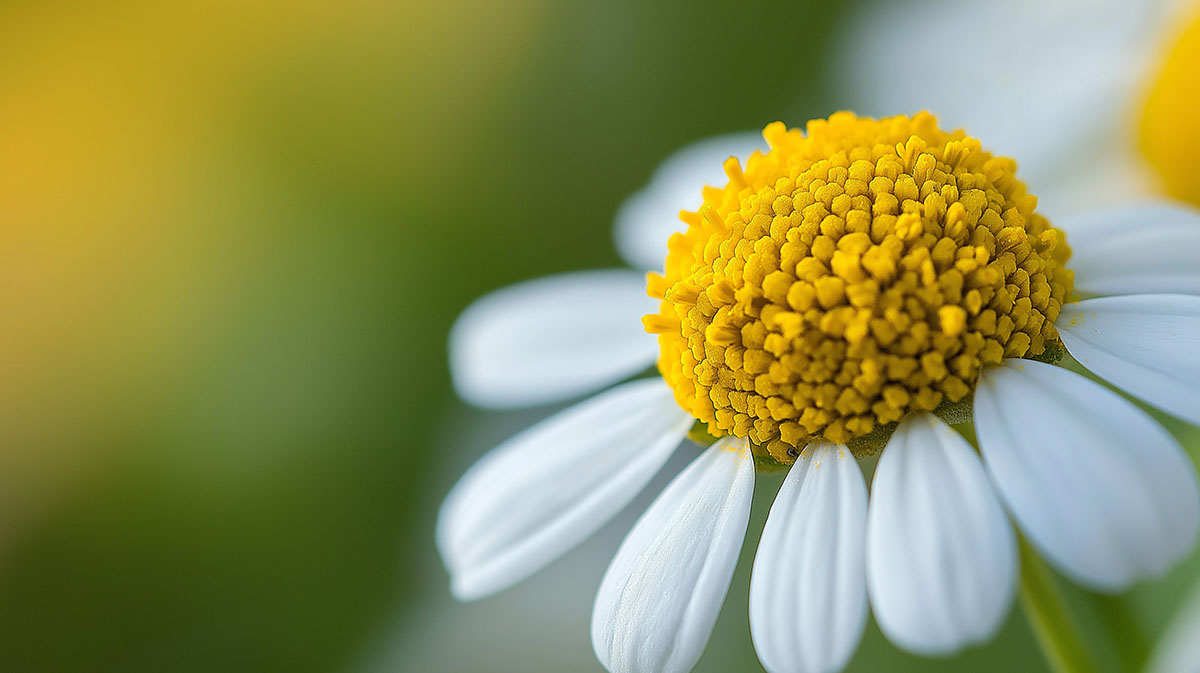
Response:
column 1170, row 135
column 850, row 275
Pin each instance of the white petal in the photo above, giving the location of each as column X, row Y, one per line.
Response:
column 1148, row 345
column 542, row 492
column 808, row 600
column 659, row 600
column 1098, row 487
column 552, row 338
column 1060, row 92
column 1178, row 650
column 941, row 556
column 648, row 218
column 1134, row 249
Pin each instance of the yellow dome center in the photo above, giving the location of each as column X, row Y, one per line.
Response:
column 1169, row 133
column 851, row 275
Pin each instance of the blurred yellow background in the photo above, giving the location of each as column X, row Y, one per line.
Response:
column 233, row 237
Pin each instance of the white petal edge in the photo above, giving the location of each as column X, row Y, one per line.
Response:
column 1099, row 488
column 539, row 494
column 649, row 216
column 1178, row 649
column 808, row 596
column 941, row 555
column 1139, row 248
column 659, row 600
column 552, row 338
column 1148, row 345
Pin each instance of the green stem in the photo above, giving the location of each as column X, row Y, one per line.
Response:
column 1049, row 618
column 1125, row 632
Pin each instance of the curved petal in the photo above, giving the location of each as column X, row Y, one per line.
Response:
column 1178, row 649
column 808, row 600
column 1099, row 488
column 542, row 492
column 659, row 600
column 648, row 217
column 1148, row 345
column 552, row 338
column 941, row 556
column 1136, row 248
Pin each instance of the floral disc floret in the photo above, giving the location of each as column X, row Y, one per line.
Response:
column 854, row 273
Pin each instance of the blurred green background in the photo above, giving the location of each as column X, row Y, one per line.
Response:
column 233, row 237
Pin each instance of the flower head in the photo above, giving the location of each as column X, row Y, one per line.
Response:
column 851, row 275
column 844, row 291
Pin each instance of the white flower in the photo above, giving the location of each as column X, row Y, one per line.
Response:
column 1103, row 492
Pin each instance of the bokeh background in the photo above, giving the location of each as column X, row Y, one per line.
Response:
column 233, row 237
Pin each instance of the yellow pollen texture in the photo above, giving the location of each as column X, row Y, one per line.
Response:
column 854, row 273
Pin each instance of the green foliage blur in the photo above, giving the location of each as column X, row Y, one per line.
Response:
column 235, row 241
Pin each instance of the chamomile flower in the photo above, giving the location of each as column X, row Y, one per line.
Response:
column 853, row 289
